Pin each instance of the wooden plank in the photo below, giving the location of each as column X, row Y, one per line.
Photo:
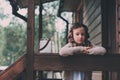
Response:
column 118, row 23
column 30, row 41
column 24, row 3
column 93, row 11
column 86, row 62
column 94, row 16
column 14, row 70
column 96, row 39
column 95, row 23
column 87, row 5
column 109, row 27
column 95, row 31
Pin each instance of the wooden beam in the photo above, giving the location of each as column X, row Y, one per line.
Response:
column 40, row 20
column 30, row 41
column 109, row 32
column 80, row 5
column 14, row 70
column 108, row 62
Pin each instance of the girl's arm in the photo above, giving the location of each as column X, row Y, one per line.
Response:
column 69, row 50
column 97, row 50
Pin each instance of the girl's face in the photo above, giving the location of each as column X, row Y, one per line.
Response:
column 79, row 35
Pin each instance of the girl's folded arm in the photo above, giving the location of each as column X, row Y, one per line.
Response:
column 68, row 50
column 97, row 50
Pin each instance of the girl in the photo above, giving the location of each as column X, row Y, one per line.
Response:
column 78, row 43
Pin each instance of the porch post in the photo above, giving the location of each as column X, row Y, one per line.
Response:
column 30, row 42
column 109, row 38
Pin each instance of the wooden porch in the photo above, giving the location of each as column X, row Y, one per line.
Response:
column 31, row 62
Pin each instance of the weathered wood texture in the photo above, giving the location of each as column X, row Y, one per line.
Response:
column 77, row 62
column 118, row 22
column 24, row 3
column 30, row 41
column 108, row 62
column 14, row 70
column 109, row 22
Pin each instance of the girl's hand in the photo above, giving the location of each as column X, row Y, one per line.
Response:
column 86, row 49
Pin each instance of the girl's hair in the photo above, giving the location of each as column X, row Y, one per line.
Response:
column 70, row 34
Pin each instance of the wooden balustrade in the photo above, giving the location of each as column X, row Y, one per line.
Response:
column 107, row 62
column 54, row 62
column 14, row 70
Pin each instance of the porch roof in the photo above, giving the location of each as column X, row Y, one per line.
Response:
column 69, row 5
column 24, row 3
column 65, row 5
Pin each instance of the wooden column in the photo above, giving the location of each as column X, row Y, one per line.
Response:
column 40, row 19
column 30, row 41
column 105, row 43
column 108, row 10
column 79, row 13
column 109, row 38
column 40, row 73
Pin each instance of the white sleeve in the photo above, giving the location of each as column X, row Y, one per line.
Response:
column 69, row 50
column 97, row 50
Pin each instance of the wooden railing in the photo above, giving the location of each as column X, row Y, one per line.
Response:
column 108, row 62
column 54, row 62
column 13, row 71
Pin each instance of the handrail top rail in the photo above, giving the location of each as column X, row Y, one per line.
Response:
column 83, row 62
column 80, row 54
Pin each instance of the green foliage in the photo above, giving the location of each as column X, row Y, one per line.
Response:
column 13, row 42
column 49, row 17
column 36, row 34
column 63, row 38
column 2, row 42
column 13, row 37
column 2, row 16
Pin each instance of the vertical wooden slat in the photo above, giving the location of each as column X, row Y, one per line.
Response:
column 40, row 19
column 109, row 34
column 117, row 25
column 77, row 16
column 104, row 12
column 40, row 33
column 79, row 13
column 30, row 41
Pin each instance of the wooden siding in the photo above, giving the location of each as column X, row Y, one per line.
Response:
column 92, row 18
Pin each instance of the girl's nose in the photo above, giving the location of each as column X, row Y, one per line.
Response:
column 80, row 35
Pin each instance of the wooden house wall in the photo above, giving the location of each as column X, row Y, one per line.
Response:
column 92, row 18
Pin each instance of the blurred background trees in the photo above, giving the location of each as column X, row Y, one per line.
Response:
column 13, row 31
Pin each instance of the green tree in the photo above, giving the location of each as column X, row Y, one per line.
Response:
column 15, row 45
column 2, row 42
column 13, row 37
column 49, row 17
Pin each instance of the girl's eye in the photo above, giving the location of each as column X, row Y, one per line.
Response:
column 83, row 34
column 80, row 34
column 77, row 34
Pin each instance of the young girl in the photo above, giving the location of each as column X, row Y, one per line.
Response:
column 78, row 43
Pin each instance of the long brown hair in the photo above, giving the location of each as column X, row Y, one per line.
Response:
column 70, row 34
